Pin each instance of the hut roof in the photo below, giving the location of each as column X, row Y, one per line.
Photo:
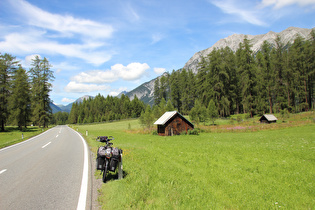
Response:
column 167, row 116
column 269, row 117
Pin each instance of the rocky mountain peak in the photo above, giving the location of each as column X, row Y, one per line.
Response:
column 234, row 40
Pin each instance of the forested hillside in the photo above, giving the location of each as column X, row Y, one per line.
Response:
column 274, row 79
column 101, row 109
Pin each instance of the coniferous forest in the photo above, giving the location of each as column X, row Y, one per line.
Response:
column 276, row 78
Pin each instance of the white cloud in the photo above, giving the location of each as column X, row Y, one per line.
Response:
column 159, row 70
column 282, row 3
column 67, row 100
column 29, row 59
column 74, row 87
column 66, row 24
column 96, row 76
column 245, row 13
column 132, row 71
column 35, row 41
column 41, row 30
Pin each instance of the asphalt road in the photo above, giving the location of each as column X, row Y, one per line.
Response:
column 49, row 171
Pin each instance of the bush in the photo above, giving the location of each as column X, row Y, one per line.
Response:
column 194, row 132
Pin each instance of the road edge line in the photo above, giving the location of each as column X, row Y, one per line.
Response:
column 85, row 177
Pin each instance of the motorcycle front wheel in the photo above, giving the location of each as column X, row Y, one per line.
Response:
column 105, row 170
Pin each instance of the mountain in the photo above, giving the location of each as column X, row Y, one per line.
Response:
column 145, row 91
column 67, row 108
column 54, row 108
column 233, row 41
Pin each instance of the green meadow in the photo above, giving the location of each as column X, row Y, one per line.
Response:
column 13, row 135
column 248, row 169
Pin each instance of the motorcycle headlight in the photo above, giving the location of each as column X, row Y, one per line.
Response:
column 108, row 152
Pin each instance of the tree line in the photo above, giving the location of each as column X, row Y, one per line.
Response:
column 274, row 79
column 24, row 95
column 101, row 109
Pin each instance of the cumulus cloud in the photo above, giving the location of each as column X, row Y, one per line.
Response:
column 29, row 59
column 132, row 71
column 74, row 87
column 159, row 70
column 67, row 100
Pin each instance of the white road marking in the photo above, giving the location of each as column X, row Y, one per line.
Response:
column 57, row 136
column 85, row 178
column 46, row 144
column 4, row 170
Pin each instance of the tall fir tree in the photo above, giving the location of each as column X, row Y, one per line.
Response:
column 247, row 72
column 20, row 103
column 41, row 76
column 8, row 65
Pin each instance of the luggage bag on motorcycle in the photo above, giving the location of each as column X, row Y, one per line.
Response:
column 115, row 159
column 100, row 160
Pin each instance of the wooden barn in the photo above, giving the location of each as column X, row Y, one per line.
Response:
column 173, row 123
column 268, row 118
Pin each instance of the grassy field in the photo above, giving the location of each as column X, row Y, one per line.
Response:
column 253, row 169
column 13, row 135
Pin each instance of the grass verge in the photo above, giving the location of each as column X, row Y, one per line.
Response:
column 13, row 135
column 264, row 169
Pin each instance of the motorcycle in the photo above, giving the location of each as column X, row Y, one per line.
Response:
column 108, row 157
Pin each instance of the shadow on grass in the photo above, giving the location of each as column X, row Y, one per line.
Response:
column 16, row 129
column 114, row 176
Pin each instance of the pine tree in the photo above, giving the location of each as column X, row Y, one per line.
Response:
column 212, row 111
column 175, row 90
column 20, row 99
column 41, row 76
column 247, row 72
column 8, row 65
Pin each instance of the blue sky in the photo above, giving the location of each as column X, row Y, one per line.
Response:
column 108, row 46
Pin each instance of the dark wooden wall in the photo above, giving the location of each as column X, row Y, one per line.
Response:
column 174, row 126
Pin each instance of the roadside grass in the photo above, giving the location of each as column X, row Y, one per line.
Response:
column 13, row 135
column 264, row 169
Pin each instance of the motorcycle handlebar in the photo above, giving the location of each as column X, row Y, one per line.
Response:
column 107, row 139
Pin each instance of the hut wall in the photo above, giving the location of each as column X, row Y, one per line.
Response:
column 176, row 126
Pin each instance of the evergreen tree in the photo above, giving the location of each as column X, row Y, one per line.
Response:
column 212, row 111
column 169, row 106
column 8, row 65
column 41, row 76
column 20, row 99
column 175, row 90
column 247, row 72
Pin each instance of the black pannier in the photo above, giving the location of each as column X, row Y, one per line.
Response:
column 100, row 161
column 113, row 164
column 115, row 159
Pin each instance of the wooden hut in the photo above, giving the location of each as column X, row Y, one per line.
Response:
column 173, row 123
column 268, row 118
